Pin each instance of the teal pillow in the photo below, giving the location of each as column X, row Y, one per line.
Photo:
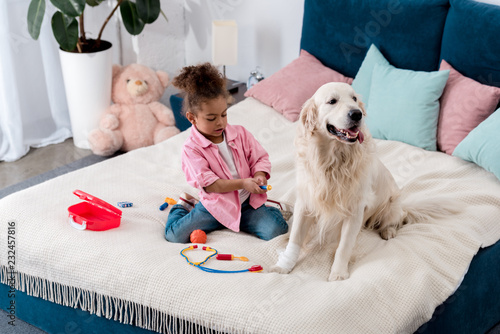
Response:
column 482, row 145
column 404, row 105
column 363, row 80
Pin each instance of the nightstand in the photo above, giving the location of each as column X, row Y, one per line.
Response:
column 237, row 90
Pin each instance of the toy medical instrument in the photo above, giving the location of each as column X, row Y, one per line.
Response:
column 168, row 201
column 230, row 257
column 93, row 214
column 268, row 187
column 215, row 253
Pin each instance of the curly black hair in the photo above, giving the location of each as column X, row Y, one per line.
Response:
column 200, row 83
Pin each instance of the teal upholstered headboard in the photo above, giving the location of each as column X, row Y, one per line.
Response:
column 412, row 34
column 471, row 42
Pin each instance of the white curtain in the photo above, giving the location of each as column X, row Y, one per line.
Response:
column 33, row 108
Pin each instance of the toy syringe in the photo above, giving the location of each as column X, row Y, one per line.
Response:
column 230, row 257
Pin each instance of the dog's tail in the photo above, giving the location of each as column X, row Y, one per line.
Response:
column 427, row 209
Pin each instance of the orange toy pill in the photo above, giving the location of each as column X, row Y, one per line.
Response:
column 198, row 237
column 170, row 201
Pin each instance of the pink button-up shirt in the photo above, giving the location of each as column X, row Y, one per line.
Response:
column 203, row 165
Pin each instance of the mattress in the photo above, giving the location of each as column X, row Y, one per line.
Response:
column 132, row 275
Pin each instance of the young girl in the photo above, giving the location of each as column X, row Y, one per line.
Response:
column 225, row 162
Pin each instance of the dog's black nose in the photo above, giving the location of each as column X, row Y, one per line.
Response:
column 355, row 114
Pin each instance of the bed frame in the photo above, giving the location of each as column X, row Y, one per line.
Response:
column 339, row 33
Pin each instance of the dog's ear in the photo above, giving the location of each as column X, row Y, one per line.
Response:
column 309, row 114
column 361, row 104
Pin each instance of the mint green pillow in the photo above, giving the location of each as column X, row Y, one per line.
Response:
column 363, row 80
column 404, row 105
column 482, row 145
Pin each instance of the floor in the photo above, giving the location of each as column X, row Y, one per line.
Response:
column 20, row 327
column 40, row 160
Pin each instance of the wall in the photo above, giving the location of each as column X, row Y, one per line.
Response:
column 268, row 35
column 268, row 32
column 159, row 46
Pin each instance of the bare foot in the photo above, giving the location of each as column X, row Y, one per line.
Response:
column 187, row 201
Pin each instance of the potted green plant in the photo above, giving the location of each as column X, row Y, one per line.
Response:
column 87, row 63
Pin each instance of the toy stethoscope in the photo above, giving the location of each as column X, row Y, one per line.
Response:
column 218, row 256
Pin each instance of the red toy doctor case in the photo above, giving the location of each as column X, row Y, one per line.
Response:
column 94, row 214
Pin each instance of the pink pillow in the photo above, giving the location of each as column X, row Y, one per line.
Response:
column 464, row 104
column 289, row 88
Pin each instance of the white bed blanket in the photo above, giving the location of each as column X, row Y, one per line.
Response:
column 132, row 274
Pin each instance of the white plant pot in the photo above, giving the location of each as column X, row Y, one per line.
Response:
column 87, row 80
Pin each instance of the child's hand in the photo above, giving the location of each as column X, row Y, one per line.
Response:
column 252, row 185
column 261, row 178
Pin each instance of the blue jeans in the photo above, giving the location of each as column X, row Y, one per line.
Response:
column 263, row 222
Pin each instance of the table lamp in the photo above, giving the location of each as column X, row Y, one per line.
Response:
column 224, row 43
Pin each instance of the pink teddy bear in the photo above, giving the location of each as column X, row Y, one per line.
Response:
column 136, row 119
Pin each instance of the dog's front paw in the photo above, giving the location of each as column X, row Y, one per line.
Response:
column 388, row 233
column 338, row 276
column 278, row 269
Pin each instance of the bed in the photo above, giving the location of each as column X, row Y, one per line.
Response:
column 434, row 277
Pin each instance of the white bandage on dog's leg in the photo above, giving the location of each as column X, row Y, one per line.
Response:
column 288, row 258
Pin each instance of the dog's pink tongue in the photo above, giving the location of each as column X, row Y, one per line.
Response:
column 361, row 137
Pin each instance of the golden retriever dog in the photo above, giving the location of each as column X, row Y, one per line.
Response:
column 341, row 185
